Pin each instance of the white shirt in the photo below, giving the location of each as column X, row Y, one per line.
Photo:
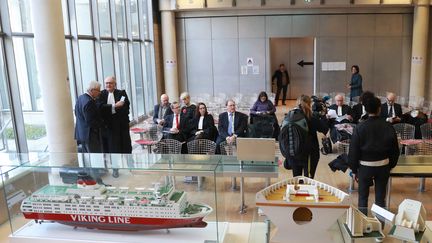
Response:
column 200, row 123
column 339, row 111
column 174, row 120
column 111, row 101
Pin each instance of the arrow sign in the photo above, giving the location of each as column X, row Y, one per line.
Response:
column 302, row 63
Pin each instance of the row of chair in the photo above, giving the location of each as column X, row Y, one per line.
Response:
column 197, row 146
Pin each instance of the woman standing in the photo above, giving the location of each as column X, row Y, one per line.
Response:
column 373, row 152
column 308, row 164
column 355, row 86
column 203, row 124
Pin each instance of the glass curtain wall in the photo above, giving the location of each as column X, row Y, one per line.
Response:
column 102, row 38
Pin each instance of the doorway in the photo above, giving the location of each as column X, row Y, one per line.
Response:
column 298, row 56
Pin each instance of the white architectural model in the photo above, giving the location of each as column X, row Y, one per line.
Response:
column 409, row 220
column 362, row 226
column 303, row 209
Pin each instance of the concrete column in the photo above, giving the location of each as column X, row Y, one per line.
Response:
column 170, row 55
column 419, row 48
column 50, row 51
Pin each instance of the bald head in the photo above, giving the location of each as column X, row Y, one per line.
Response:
column 164, row 99
column 110, row 83
column 391, row 98
column 339, row 98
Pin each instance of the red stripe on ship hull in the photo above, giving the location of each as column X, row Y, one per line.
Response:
column 117, row 222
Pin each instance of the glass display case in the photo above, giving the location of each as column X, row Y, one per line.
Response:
column 166, row 198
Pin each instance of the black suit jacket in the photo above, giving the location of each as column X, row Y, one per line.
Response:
column 209, row 129
column 278, row 76
column 357, row 112
column 240, row 125
column 156, row 113
column 396, row 107
column 88, row 120
column 117, row 136
column 184, row 131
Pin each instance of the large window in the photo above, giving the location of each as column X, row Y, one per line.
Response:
column 102, row 38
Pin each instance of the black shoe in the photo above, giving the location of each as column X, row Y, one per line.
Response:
column 115, row 173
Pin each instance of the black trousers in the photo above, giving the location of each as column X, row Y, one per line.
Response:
column 380, row 176
column 306, row 168
column 284, row 89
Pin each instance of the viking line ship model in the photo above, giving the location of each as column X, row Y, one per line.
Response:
column 302, row 209
column 87, row 204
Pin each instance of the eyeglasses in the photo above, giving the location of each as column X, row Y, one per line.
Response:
column 176, row 107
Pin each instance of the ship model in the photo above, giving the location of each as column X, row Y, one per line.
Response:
column 302, row 209
column 90, row 205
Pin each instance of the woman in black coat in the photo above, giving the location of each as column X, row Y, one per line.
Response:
column 308, row 163
column 203, row 126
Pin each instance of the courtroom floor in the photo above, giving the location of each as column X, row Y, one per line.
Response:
column 228, row 200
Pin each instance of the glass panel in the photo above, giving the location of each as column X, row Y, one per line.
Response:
column 104, row 18
column 71, row 77
column 87, row 61
column 145, row 20
column 149, row 81
column 20, row 18
column 121, row 18
column 65, row 17
column 123, row 80
column 107, row 58
column 138, row 78
column 7, row 141
column 30, row 94
column 83, row 17
column 134, row 18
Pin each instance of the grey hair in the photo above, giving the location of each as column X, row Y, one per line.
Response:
column 112, row 78
column 174, row 103
column 184, row 95
column 93, row 85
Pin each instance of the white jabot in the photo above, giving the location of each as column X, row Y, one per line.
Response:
column 339, row 111
column 200, row 123
column 111, row 101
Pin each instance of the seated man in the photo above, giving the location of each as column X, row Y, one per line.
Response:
column 232, row 124
column 391, row 111
column 338, row 113
column 176, row 125
column 162, row 110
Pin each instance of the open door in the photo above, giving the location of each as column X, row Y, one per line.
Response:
column 298, row 56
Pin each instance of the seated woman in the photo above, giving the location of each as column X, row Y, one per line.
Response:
column 264, row 110
column 203, row 126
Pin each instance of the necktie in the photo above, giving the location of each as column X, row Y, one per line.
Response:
column 230, row 124
column 177, row 121
column 390, row 114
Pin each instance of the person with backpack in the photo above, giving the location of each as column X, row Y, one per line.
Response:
column 298, row 139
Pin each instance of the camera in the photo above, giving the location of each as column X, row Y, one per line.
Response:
column 319, row 105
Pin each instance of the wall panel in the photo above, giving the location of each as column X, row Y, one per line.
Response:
column 226, row 66
column 254, row 48
column 199, row 66
column 387, row 64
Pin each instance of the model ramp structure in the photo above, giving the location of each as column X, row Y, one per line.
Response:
column 87, row 204
column 361, row 226
column 409, row 222
column 300, row 206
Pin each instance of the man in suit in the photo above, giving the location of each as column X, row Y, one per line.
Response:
column 162, row 110
column 114, row 105
column 176, row 125
column 88, row 120
column 231, row 124
column 282, row 81
column 343, row 115
column 391, row 111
